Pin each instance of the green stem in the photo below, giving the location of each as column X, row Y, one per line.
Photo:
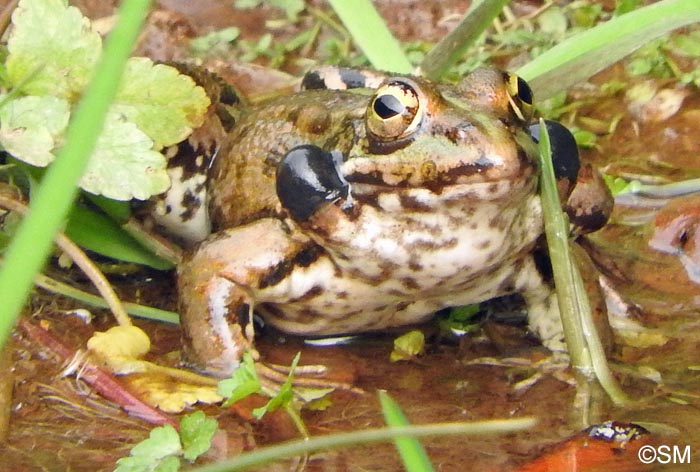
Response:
column 596, row 351
column 371, row 35
column 412, row 452
column 334, row 441
column 585, row 348
column 674, row 189
column 32, row 243
column 453, row 46
column 134, row 309
column 557, row 231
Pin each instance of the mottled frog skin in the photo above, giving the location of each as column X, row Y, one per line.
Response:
column 344, row 211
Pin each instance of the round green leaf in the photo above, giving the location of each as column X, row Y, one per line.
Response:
column 124, row 165
column 31, row 126
column 165, row 104
column 52, row 49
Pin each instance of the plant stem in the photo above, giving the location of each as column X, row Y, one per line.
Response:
column 371, row 35
column 557, row 232
column 134, row 309
column 332, row 441
column 412, row 452
column 453, row 46
column 585, row 348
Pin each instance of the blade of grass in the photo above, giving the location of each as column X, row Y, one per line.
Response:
column 676, row 189
column 370, row 33
column 453, row 46
column 557, row 231
column 88, row 228
column 412, row 453
column 134, row 309
column 585, row 348
column 32, row 244
column 333, row 441
column 583, row 55
column 594, row 344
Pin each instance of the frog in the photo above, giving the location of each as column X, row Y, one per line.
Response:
column 675, row 231
column 367, row 201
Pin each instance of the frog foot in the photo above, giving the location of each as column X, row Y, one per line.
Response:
column 555, row 365
column 305, row 376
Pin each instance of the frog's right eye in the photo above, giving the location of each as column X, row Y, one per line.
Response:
column 520, row 96
column 395, row 111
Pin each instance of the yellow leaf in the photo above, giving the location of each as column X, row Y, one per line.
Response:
column 120, row 341
column 168, row 394
column 171, row 390
column 408, row 346
column 642, row 339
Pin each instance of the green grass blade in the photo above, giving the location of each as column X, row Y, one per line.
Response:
column 585, row 348
column 556, row 229
column 453, row 46
column 675, row 189
column 98, row 233
column 50, row 204
column 270, row 454
column 134, row 309
column 583, row 55
column 412, row 453
column 370, row 33
column 119, row 211
column 595, row 347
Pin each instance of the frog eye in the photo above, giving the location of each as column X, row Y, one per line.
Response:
column 519, row 96
column 395, row 111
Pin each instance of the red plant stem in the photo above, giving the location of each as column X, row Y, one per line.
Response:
column 100, row 380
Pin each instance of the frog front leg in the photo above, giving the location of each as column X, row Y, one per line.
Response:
column 217, row 284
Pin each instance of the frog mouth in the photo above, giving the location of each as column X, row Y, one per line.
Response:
column 428, row 175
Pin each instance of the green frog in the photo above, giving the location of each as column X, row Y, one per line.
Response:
column 367, row 201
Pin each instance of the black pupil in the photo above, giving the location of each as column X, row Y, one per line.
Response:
column 524, row 91
column 387, row 106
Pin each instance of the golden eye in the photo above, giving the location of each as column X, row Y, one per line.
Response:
column 395, row 111
column 519, row 96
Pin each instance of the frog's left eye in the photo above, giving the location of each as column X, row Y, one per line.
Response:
column 395, row 111
column 519, row 96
